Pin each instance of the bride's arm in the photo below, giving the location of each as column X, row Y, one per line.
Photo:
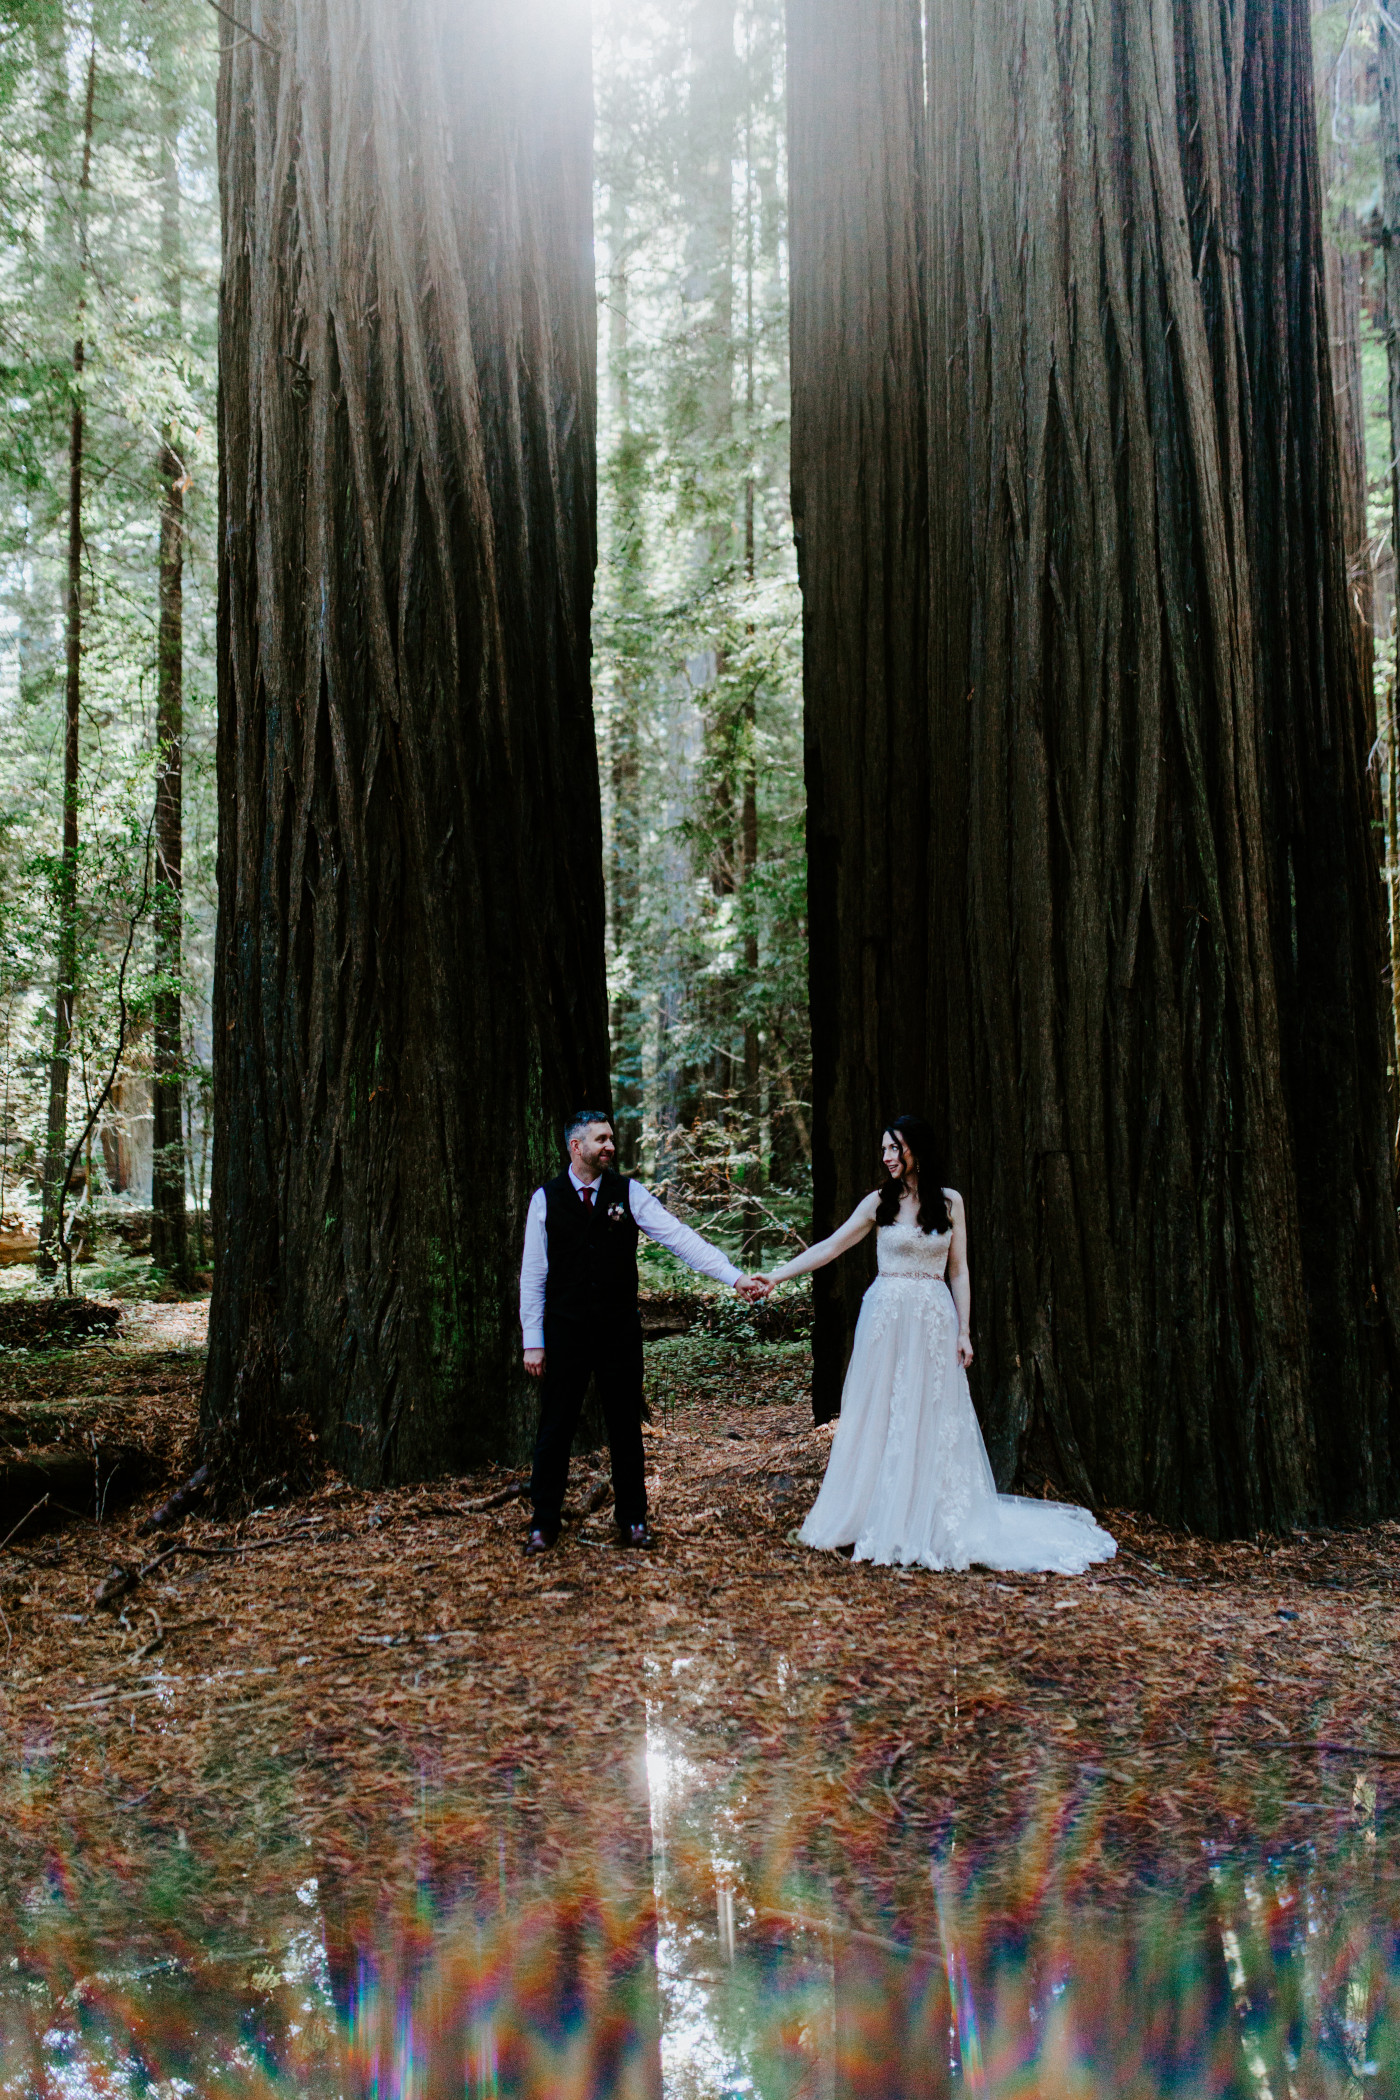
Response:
column 959, row 1281
column 855, row 1228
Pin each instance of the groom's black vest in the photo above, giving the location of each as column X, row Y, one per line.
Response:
column 592, row 1250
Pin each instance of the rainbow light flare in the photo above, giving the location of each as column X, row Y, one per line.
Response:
column 638, row 1955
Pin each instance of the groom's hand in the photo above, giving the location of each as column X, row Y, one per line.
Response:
column 753, row 1288
column 534, row 1363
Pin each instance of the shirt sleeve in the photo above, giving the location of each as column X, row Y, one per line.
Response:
column 534, row 1267
column 656, row 1222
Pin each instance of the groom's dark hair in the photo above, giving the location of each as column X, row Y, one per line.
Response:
column 582, row 1117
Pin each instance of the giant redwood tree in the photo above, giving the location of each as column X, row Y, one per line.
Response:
column 409, row 988
column 855, row 116
column 1151, row 987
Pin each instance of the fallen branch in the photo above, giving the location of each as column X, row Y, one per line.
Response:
column 496, row 1501
column 222, row 1552
column 105, row 1698
column 157, row 1640
column 1326, row 1749
column 179, row 1505
column 121, row 1580
column 1185, row 1582
column 887, row 1782
column 4, row 1542
column 113, row 1586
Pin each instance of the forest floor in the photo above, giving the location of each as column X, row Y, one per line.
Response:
column 322, row 1668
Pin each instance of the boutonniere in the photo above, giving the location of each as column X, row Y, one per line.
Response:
column 615, row 1214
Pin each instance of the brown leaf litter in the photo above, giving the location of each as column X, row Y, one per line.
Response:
column 320, row 1668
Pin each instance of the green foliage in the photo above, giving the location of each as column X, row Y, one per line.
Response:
column 89, row 264
column 697, row 624
column 697, row 627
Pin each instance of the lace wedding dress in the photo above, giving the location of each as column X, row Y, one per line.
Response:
column 908, row 1479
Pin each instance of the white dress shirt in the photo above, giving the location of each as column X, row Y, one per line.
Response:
column 650, row 1217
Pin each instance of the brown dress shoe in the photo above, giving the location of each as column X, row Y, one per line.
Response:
column 538, row 1542
column 637, row 1535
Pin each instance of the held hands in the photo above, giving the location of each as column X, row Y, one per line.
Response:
column 964, row 1350
column 753, row 1289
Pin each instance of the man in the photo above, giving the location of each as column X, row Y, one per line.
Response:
column 579, row 1317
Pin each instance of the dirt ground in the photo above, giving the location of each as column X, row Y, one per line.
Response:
column 322, row 1667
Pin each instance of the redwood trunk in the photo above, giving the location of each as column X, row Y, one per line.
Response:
column 1388, row 141
column 169, row 1233
column 1158, row 1028
column 860, row 518
column 409, row 990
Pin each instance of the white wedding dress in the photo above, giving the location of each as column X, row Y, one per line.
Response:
column 908, row 1480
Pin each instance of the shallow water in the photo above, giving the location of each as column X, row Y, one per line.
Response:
column 662, row 1948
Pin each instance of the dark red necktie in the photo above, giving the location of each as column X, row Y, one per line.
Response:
column 587, row 1195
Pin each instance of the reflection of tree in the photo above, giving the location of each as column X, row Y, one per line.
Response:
column 535, row 1990
column 892, row 2022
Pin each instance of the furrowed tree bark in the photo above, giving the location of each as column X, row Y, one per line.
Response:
column 1158, row 1024
column 66, row 887
column 1388, row 140
column 409, row 985
column 169, row 1237
column 1336, row 90
column 860, row 518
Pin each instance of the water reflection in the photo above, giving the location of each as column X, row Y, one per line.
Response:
column 691, row 1960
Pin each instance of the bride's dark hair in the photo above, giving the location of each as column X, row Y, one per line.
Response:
column 922, row 1141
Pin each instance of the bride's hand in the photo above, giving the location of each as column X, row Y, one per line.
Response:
column 964, row 1350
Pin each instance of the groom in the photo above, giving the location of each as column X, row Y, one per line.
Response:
column 579, row 1317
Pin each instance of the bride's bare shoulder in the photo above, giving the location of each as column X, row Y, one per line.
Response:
column 954, row 1202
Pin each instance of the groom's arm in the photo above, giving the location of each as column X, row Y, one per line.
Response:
column 653, row 1218
column 534, row 1267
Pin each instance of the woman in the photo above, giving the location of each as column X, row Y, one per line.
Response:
column 908, row 1479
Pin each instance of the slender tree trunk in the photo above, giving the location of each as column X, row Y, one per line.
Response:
column 709, row 290
column 66, row 975
column 409, row 990
column 169, row 1244
column 748, row 737
column 709, row 256
column 860, row 518
column 1158, row 1028
column 626, row 469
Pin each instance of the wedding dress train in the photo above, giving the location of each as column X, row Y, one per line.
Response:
column 908, row 1480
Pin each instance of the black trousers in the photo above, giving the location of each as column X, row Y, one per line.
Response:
column 574, row 1352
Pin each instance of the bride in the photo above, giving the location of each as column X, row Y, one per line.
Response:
column 908, row 1479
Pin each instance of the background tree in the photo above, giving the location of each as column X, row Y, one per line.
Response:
column 409, row 991
column 168, row 1229
column 66, row 887
column 1155, row 980
column 97, row 241
column 698, row 624
column 859, row 504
